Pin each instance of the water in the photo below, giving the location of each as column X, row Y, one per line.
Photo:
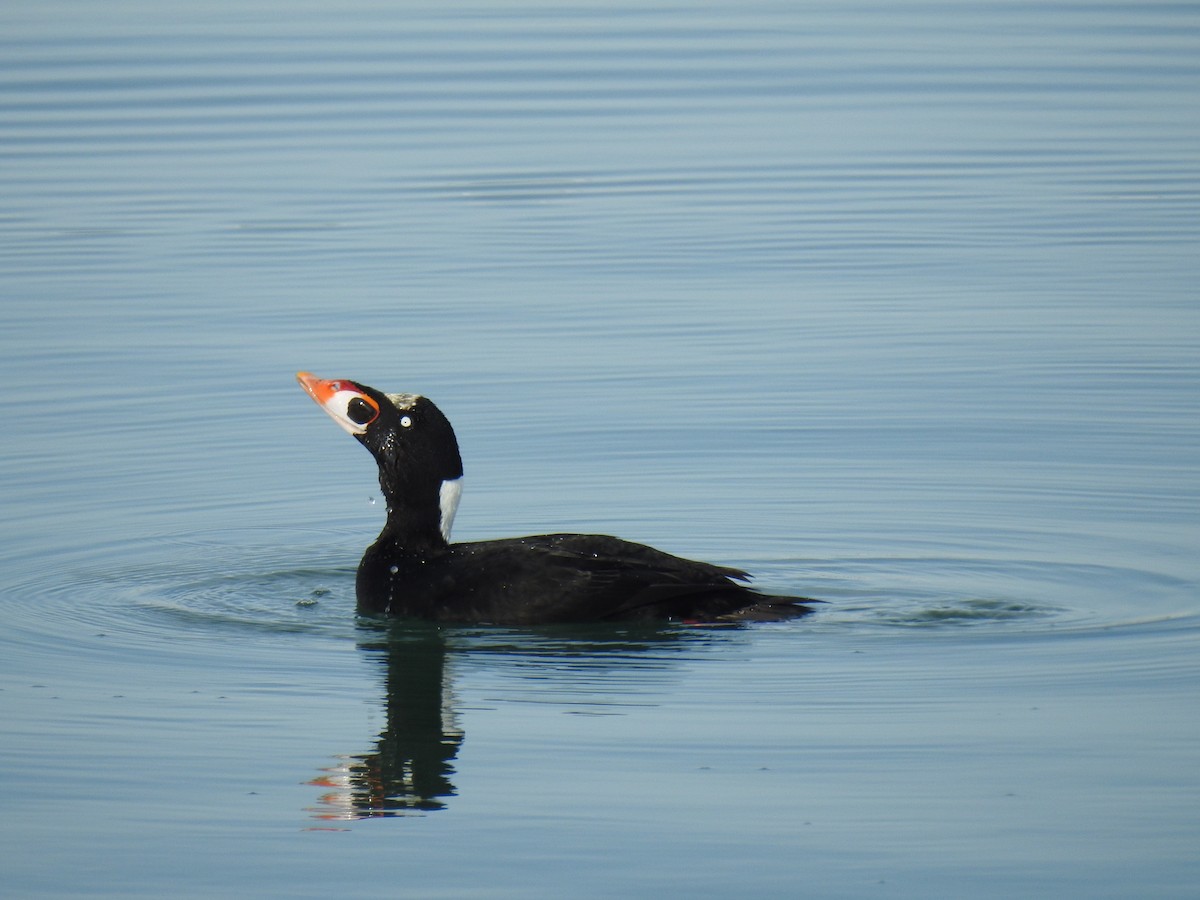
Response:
column 892, row 305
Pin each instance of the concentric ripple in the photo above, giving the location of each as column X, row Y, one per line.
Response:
column 206, row 589
column 1006, row 595
column 187, row 590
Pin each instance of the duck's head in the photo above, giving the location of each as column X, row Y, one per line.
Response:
column 420, row 469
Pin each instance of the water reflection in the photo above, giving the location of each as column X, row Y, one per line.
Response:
column 409, row 769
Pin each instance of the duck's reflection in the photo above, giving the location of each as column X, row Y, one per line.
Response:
column 410, row 768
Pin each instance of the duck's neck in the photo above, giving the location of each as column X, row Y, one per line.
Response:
column 419, row 516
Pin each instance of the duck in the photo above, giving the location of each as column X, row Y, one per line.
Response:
column 413, row 570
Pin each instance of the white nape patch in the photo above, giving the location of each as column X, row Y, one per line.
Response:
column 403, row 401
column 449, row 495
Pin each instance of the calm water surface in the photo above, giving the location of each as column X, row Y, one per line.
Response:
column 895, row 305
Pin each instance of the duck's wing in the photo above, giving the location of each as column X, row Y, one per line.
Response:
column 573, row 577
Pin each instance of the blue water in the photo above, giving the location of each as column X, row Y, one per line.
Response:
column 893, row 305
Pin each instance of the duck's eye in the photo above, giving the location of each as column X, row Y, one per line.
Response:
column 406, row 421
column 359, row 411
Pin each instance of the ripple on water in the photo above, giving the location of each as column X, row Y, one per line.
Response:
column 206, row 589
column 1005, row 595
column 184, row 591
column 305, row 599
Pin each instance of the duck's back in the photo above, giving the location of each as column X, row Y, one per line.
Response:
column 558, row 578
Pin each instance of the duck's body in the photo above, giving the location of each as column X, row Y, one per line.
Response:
column 413, row 570
column 556, row 578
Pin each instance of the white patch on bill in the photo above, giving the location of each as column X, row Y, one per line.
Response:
column 338, row 408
